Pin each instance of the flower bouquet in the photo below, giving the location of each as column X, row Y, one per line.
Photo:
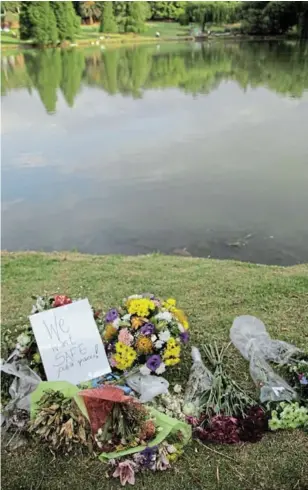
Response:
column 127, row 425
column 295, row 372
column 145, row 332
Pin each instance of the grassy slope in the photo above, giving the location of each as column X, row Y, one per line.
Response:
column 212, row 293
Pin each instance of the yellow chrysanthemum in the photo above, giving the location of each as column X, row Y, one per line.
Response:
column 144, row 345
column 171, row 343
column 110, row 332
column 172, row 351
column 140, row 307
column 181, row 317
column 172, row 361
column 124, row 356
column 170, row 303
column 120, row 347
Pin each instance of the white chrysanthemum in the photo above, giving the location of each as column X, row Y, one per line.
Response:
column 164, row 316
column 181, row 328
column 144, row 370
column 126, row 317
column 116, row 322
column 177, row 389
column 23, row 339
column 161, row 369
column 153, row 338
column 158, row 344
column 164, row 336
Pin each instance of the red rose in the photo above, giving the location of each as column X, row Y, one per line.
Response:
column 61, row 300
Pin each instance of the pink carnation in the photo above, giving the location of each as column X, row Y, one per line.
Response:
column 125, row 337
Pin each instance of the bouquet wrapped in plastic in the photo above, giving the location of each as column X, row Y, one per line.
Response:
column 248, row 334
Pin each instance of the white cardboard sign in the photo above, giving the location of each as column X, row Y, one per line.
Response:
column 69, row 343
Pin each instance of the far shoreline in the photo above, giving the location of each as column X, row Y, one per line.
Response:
column 128, row 40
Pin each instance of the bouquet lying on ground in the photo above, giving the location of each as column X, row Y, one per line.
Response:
column 295, row 372
column 127, row 425
column 147, row 332
column 220, row 410
column 60, row 423
column 225, row 396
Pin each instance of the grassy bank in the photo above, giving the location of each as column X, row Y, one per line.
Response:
column 90, row 35
column 212, row 293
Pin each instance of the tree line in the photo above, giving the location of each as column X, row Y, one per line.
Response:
column 50, row 22
column 282, row 68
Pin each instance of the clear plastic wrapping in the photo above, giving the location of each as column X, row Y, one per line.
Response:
column 248, row 334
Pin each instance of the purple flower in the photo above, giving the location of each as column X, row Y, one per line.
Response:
column 148, row 456
column 153, row 362
column 184, row 336
column 147, row 329
column 111, row 315
column 303, row 380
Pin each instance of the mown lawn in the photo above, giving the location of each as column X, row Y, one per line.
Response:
column 212, row 293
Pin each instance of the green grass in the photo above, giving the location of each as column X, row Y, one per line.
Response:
column 166, row 29
column 212, row 293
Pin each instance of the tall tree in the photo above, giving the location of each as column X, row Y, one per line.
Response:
column 90, row 11
column 24, row 21
column 166, row 10
column 66, row 19
column 108, row 22
column 42, row 23
column 137, row 15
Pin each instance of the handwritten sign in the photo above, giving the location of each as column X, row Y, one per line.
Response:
column 69, row 343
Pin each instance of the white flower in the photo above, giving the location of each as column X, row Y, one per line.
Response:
column 164, row 316
column 161, row 369
column 126, row 317
column 23, row 339
column 145, row 370
column 164, row 336
column 135, row 296
column 181, row 328
column 177, row 389
column 158, row 344
column 171, row 449
column 153, row 338
column 116, row 322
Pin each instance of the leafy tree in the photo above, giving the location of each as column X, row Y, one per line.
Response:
column 66, row 19
column 108, row 22
column 136, row 17
column 275, row 17
column 90, row 11
column 10, row 7
column 24, row 21
column 211, row 12
column 42, row 27
column 166, row 10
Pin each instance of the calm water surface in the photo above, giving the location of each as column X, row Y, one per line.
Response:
column 199, row 149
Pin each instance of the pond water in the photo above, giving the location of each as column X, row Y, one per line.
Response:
column 197, row 149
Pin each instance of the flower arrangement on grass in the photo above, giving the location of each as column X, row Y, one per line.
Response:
column 147, row 332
